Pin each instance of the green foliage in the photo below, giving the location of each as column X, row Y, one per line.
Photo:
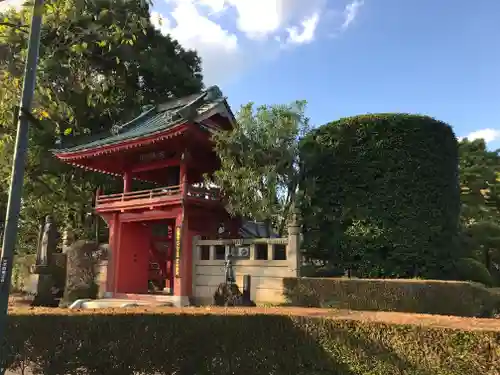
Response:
column 100, row 62
column 470, row 269
column 380, row 195
column 324, row 271
column 410, row 296
column 480, row 196
column 259, row 171
column 152, row 342
column 479, row 181
column 21, row 272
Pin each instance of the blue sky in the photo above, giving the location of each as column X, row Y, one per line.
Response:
column 345, row 57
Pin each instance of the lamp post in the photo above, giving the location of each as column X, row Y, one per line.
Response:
column 18, row 165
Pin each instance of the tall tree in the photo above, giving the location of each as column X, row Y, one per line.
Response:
column 100, row 62
column 479, row 181
column 480, row 197
column 259, row 162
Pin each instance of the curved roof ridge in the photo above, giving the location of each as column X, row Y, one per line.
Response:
column 118, row 128
column 160, row 118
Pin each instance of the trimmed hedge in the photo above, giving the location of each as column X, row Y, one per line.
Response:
column 381, row 195
column 411, row 296
column 150, row 343
column 471, row 269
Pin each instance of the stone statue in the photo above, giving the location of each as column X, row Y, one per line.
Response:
column 48, row 244
column 68, row 239
column 39, row 240
column 48, row 274
column 228, row 293
column 228, row 268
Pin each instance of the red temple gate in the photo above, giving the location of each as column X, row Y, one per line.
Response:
column 170, row 147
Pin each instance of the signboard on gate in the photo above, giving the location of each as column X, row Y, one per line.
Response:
column 177, row 251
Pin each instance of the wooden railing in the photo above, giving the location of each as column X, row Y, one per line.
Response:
column 171, row 191
column 203, row 193
column 165, row 192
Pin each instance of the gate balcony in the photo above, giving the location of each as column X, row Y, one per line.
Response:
column 156, row 198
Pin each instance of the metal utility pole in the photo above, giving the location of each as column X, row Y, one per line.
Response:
column 18, row 165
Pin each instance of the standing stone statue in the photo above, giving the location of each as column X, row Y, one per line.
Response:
column 42, row 281
column 228, row 268
column 39, row 239
column 228, row 293
column 48, row 243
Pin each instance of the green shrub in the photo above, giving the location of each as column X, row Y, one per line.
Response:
column 380, row 195
column 21, row 272
column 470, row 269
column 150, row 342
column 412, row 296
column 322, row 271
column 308, row 270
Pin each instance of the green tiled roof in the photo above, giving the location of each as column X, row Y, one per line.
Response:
column 159, row 118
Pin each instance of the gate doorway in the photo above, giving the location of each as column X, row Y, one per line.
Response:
column 161, row 257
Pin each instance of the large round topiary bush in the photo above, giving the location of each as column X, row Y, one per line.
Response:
column 380, row 195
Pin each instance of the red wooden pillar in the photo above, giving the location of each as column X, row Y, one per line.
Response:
column 170, row 259
column 183, row 174
column 187, row 260
column 178, row 255
column 127, row 182
column 114, row 248
column 183, row 258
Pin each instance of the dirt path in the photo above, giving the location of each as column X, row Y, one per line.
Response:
column 367, row 316
column 441, row 321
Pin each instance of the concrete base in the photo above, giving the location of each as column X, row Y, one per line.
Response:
column 154, row 299
column 131, row 300
column 40, row 287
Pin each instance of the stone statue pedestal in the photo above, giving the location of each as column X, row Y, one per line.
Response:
column 40, row 286
column 40, row 269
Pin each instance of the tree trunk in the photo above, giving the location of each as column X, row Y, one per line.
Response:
column 487, row 258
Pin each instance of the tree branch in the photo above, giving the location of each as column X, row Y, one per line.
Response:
column 15, row 26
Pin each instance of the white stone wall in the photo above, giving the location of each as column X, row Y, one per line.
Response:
column 266, row 275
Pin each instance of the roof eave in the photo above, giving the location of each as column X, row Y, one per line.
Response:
column 229, row 113
column 128, row 144
column 221, row 107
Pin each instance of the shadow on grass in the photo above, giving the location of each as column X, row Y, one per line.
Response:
column 148, row 344
column 369, row 356
column 166, row 344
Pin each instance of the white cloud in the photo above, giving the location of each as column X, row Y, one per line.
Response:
column 216, row 6
column 258, row 18
column 489, row 135
column 217, row 46
column 308, row 29
column 230, row 33
column 350, row 12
